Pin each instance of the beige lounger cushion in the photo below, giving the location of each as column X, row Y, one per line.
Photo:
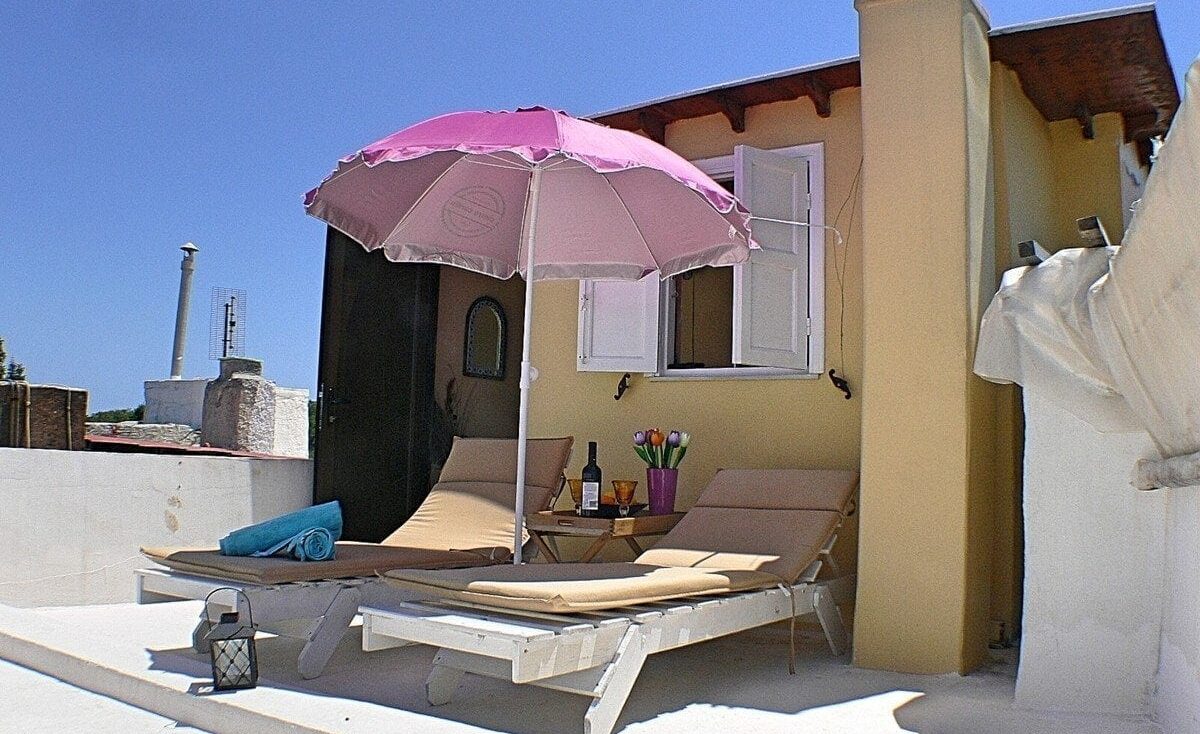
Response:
column 467, row 520
column 749, row 529
column 772, row 520
column 727, row 539
column 353, row 559
column 571, row 587
column 472, row 504
column 495, row 460
column 786, row 489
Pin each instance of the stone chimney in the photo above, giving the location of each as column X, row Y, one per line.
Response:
column 239, row 408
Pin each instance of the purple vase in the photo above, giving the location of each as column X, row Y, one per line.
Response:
column 660, row 485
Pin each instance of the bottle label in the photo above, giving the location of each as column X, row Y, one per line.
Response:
column 591, row 496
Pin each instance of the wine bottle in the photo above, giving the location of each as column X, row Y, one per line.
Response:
column 590, row 506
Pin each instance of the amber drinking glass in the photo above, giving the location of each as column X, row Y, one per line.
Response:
column 623, row 489
column 576, row 492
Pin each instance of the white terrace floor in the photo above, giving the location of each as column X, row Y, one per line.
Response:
column 139, row 657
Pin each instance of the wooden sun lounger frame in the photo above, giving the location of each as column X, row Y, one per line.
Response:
column 595, row 654
column 318, row 612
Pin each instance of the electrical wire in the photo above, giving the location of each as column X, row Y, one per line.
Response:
column 839, row 269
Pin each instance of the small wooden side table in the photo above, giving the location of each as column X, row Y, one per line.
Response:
column 553, row 523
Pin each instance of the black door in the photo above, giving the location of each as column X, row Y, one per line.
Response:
column 375, row 386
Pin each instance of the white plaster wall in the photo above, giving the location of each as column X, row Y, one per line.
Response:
column 84, row 514
column 291, row 422
column 175, row 401
column 1094, row 555
column 1177, row 702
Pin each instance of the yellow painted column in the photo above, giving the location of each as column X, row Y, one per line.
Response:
column 928, row 269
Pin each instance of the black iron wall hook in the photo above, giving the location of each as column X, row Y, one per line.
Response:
column 622, row 386
column 840, row 383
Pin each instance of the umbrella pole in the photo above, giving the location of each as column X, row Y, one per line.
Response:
column 523, row 420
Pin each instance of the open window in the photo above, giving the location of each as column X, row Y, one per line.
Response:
column 762, row 318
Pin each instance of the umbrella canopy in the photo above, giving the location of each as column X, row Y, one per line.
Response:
column 534, row 191
column 612, row 204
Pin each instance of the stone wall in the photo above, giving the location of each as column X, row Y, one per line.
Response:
column 173, row 433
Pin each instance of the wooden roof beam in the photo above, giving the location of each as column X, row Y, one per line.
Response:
column 1144, row 125
column 654, row 125
column 734, row 111
column 1086, row 124
column 818, row 92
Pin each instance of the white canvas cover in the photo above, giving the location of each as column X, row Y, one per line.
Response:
column 1113, row 334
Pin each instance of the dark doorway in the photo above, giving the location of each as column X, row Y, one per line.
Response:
column 375, row 383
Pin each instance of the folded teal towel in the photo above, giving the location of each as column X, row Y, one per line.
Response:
column 266, row 535
column 314, row 544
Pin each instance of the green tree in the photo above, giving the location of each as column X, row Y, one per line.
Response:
column 15, row 370
column 118, row 415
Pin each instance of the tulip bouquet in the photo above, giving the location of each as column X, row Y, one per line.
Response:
column 659, row 451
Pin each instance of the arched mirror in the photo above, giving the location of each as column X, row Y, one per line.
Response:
column 486, row 340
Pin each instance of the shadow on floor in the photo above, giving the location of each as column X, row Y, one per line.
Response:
column 741, row 680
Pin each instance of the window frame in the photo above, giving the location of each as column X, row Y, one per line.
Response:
column 723, row 166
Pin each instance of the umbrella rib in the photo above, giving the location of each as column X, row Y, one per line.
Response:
column 419, row 199
column 632, row 221
column 509, row 165
column 338, row 174
column 564, row 161
column 418, row 202
column 436, row 181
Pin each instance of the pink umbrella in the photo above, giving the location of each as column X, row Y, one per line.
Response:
column 538, row 192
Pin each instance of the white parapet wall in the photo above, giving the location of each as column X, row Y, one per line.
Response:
column 73, row 521
column 175, row 401
column 1094, row 558
column 1177, row 702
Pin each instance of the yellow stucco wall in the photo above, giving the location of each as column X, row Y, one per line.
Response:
column 483, row 407
column 1024, row 200
column 1023, row 153
column 1051, row 173
column 944, row 534
column 747, row 423
column 925, row 522
column 1087, row 177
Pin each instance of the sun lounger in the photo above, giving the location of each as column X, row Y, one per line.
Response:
column 748, row 554
column 467, row 520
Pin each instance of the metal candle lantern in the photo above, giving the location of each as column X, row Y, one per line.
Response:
column 231, row 647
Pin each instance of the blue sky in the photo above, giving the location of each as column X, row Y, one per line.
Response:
column 127, row 129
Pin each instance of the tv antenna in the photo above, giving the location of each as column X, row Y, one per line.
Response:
column 227, row 323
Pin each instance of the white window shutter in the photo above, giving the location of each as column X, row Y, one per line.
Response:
column 618, row 325
column 770, row 292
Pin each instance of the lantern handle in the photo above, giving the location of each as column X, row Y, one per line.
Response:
column 235, row 590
